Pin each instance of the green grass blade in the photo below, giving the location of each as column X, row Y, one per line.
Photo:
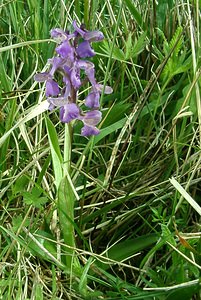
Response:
column 135, row 14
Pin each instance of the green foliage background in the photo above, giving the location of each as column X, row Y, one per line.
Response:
column 137, row 233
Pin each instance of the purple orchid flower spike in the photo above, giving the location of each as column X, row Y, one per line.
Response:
column 69, row 71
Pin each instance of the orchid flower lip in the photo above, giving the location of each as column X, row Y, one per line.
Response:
column 84, row 50
column 92, row 100
column 89, row 130
column 52, row 88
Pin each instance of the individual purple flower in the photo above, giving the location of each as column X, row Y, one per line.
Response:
column 75, row 76
column 65, row 50
column 90, row 72
column 90, row 120
column 84, row 50
column 69, row 71
column 58, row 35
column 89, row 130
column 89, row 69
column 52, row 88
column 91, row 36
column 69, row 112
column 107, row 89
column 92, row 100
column 92, row 117
column 57, row 63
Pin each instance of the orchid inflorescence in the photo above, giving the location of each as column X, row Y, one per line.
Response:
column 69, row 63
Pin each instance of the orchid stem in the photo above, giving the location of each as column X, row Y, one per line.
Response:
column 66, row 203
column 67, row 148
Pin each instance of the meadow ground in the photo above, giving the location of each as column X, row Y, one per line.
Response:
column 112, row 216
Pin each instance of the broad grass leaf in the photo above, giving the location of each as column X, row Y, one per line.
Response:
column 44, row 239
column 30, row 114
column 83, row 278
column 115, row 120
column 108, row 130
column 65, row 206
column 154, row 104
column 174, row 107
column 125, row 249
column 38, row 291
column 6, row 83
column 184, row 293
column 55, row 151
column 116, row 113
column 31, row 246
column 186, row 195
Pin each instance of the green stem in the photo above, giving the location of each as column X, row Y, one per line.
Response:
column 67, row 148
column 66, row 199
